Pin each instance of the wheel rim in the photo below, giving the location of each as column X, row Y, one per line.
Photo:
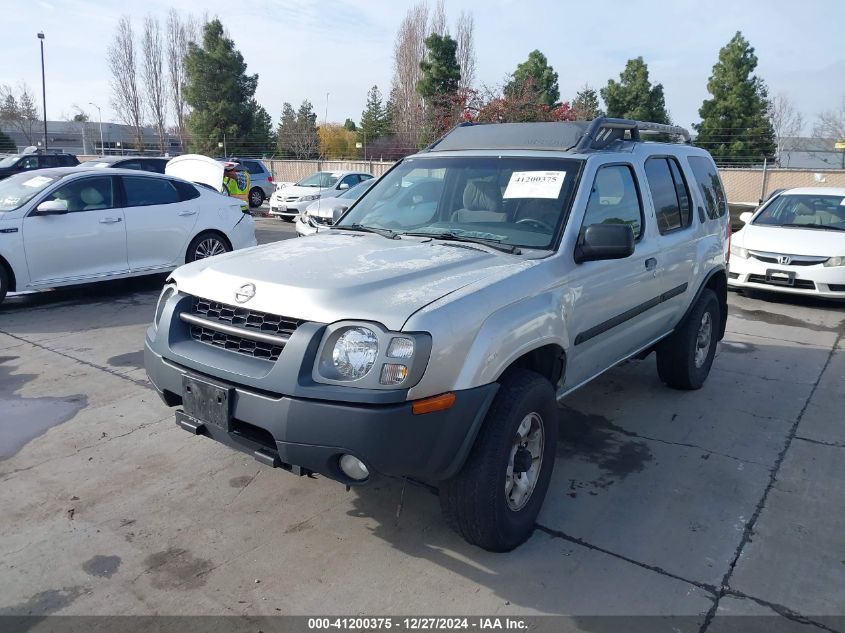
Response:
column 255, row 198
column 523, row 470
column 209, row 247
column 702, row 341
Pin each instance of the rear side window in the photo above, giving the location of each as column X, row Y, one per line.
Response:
column 710, row 186
column 669, row 193
column 614, row 199
column 144, row 192
column 253, row 167
column 186, row 190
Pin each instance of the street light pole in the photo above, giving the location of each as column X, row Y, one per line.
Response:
column 43, row 89
column 100, row 112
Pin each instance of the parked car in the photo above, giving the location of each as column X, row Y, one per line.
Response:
column 154, row 164
column 290, row 201
column 434, row 343
column 260, row 179
column 795, row 243
column 16, row 163
column 67, row 226
column 322, row 213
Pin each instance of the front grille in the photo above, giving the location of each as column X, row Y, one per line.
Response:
column 836, row 287
column 803, row 284
column 794, row 260
column 253, row 323
column 291, row 198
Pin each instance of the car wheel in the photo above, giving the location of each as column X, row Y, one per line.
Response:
column 684, row 358
column 4, row 283
column 287, row 219
column 256, row 197
column 494, row 501
column 205, row 245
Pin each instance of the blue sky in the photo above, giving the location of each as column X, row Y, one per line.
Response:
column 307, row 48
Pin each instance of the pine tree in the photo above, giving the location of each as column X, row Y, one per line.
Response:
column 286, row 131
column 535, row 69
column 441, row 76
column 735, row 126
column 585, row 106
column 306, row 140
column 634, row 97
column 374, row 122
column 349, row 126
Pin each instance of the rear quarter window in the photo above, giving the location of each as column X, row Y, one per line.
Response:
column 710, row 186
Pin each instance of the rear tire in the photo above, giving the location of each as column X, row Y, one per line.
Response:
column 494, row 501
column 4, row 282
column 256, row 197
column 207, row 244
column 684, row 358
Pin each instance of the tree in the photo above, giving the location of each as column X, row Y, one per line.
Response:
column 153, row 75
column 633, row 96
column 6, row 143
column 307, row 141
column 19, row 112
column 465, row 36
column 180, row 32
column 542, row 77
column 336, row 141
column 220, row 94
column 407, row 113
column 735, row 126
column 262, row 138
column 126, row 96
column 286, row 131
column 519, row 105
column 350, row 126
column 585, row 106
column 441, row 77
column 787, row 123
column 374, row 119
column 831, row 123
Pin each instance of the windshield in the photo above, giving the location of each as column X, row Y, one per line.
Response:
column 19, row 189
column 353, row 193
column 9, row 160
column 504, row 200
column 320, row 179
column 812, row 211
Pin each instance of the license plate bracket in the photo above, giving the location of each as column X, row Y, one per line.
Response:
column 780, row 277
column 207, row 402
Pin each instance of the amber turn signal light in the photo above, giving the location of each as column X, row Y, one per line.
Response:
column 435, row 403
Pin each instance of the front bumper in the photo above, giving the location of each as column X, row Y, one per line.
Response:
column 309, row 435
column 287, row 209
column 815, row 281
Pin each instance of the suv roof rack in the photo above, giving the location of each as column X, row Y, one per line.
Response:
column 578, row 136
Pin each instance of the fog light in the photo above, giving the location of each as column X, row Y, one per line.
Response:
column 353, row 468
column 393, row 374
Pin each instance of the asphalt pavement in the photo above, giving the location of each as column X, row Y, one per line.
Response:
column 721, row 502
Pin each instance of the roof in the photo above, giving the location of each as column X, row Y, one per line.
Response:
column 815, row 191
column 118, row 159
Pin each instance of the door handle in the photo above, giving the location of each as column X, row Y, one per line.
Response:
column 650, row 263
column 187, row 213
column 110, row 220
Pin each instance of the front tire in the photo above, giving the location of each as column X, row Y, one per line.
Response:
column 256, row 197
column 207, row 244
column 684, row 359
column 495, row 499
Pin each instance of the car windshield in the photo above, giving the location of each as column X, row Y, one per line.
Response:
column 19, row 189
column 9, row 160
column 512, row 201
column 353, row 193
column 320, row 179
column 811, row 211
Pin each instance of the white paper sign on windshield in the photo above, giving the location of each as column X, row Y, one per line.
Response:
column 37, row 181
column 535, row 184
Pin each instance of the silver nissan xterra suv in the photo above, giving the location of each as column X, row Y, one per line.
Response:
column 430, row 334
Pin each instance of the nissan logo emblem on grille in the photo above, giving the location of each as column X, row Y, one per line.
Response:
column 784, row 259
column 245, row 293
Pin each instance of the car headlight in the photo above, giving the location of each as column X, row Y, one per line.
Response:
column 371, row 357
column 315, row 196
column 739, row 251
column 835, row 261
column 168, row 291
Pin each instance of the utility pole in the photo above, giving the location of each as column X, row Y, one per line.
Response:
column 43, row 90
column 100, row 112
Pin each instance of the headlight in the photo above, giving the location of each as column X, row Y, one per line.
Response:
column 315, row 196
column 739, row 251
column 168, row 291
column 371, row 357
column 835, row 261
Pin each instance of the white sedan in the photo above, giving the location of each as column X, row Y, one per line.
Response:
column 67, row 226
column 795, row 243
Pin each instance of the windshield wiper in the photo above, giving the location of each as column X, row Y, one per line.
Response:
column 456, row 237
column 824, row 227
column 391, row 235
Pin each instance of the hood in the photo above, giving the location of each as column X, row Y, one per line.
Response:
column 328, row 207
column 336, row 276
column 791, row 240
column 196, row 168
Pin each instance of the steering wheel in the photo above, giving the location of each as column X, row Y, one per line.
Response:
column 536, row 223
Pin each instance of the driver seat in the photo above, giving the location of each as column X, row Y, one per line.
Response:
column 92, row 199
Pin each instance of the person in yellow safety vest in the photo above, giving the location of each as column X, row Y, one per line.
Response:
column 236, row 184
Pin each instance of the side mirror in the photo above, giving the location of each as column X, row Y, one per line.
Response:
column 343, row 185
column 52, row 207
column 745, row 217
column 605, row 241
